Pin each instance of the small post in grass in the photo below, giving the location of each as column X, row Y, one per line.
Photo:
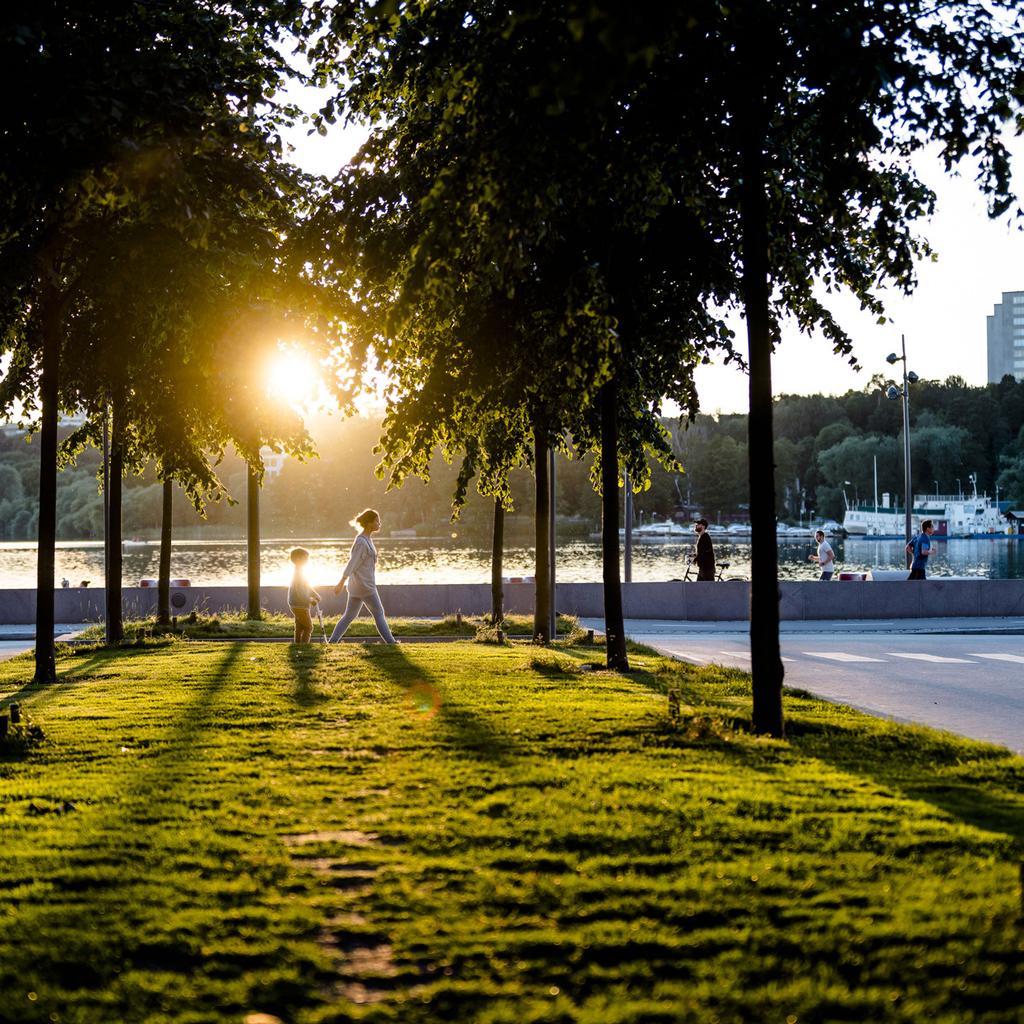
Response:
column 15, row 710
column 3, row 726
column 673, row 706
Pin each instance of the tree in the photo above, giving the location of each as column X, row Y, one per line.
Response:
column 145, row 75
column 588, row 290
column 810, row 111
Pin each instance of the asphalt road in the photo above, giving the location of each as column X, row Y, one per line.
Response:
column 970, row 685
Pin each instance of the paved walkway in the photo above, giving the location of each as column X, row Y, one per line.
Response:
column 14, row 639
column 967, row 678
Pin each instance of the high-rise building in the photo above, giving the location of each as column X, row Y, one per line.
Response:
column 1006, row 338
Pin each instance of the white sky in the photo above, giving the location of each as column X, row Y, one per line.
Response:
column 943, row 320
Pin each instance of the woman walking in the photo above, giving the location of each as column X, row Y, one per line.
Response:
column 360, row 575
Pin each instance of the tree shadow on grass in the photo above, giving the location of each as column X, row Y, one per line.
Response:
column 958, row 776
column 304, row 659
column 463, row 729
column 961, row 777
column 136, row 839
column 73, row 667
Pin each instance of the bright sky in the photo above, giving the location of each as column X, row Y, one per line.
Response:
column 944, row 319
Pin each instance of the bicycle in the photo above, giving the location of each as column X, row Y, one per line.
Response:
column 721, row 566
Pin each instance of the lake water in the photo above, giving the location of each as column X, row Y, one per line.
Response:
column 221, row 562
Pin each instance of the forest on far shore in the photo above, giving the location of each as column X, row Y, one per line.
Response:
column 821, row 442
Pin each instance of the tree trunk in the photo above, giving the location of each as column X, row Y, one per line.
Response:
column 497, row 554
column 765, row 657
column 163, row 611
column 46, row 662
column 542, row 568
column 115, row 614
column 253, row 537
column 614, row 626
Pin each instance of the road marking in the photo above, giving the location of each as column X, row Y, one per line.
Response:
column 840, row 656
column 690, row 656
column 746, row 654
column 1018, row 658
column 936, row 658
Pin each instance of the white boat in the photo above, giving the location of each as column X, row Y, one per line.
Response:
column 954, row 516
column 739, row 529
column 659, row 531
column 794, row 532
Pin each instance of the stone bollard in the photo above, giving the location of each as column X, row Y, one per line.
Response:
column 15, row 710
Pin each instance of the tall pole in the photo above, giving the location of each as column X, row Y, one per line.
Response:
column 906, row 448
column 627, row 522
column 552, row 607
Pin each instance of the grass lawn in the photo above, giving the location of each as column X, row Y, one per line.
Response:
column 467, row 832
column 235, row 624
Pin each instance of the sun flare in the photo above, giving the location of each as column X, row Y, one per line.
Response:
column 293, row 377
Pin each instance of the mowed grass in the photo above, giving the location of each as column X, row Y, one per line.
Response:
column 236, row 624
column 465, row 832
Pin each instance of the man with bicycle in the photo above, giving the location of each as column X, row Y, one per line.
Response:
column 704, row 553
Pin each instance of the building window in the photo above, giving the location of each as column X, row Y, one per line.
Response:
column 1018, row 299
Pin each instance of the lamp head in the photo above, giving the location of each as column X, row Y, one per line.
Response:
column 913, row 377
column 892, row 358
column 892, row 392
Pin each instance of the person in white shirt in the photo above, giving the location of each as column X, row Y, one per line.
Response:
column 360, row 575
column 825, row 557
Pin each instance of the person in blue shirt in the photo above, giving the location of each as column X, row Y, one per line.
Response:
column 921, row 547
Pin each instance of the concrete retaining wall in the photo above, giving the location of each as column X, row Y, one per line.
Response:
column 683, row 601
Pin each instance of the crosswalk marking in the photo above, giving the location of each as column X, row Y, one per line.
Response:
column 936, row 658
column 840, row 656
column 1018, row 658
column 706, row 657
column 745, row 654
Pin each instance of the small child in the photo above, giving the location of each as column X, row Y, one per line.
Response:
column 301, row 596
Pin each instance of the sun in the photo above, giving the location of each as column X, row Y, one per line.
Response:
column 293, row 377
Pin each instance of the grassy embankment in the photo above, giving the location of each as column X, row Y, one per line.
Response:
column 229, row 625
column 492, row 834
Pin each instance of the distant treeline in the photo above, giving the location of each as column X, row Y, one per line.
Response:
column 821, row 442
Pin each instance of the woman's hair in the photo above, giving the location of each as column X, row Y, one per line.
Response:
column 364, row 518
column 299, row 555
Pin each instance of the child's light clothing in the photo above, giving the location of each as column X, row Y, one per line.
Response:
column 300, row 597
column 300, row 593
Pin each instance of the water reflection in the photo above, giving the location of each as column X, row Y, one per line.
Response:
column 220, row 562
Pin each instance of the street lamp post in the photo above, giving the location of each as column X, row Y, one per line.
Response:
column 893, row 392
